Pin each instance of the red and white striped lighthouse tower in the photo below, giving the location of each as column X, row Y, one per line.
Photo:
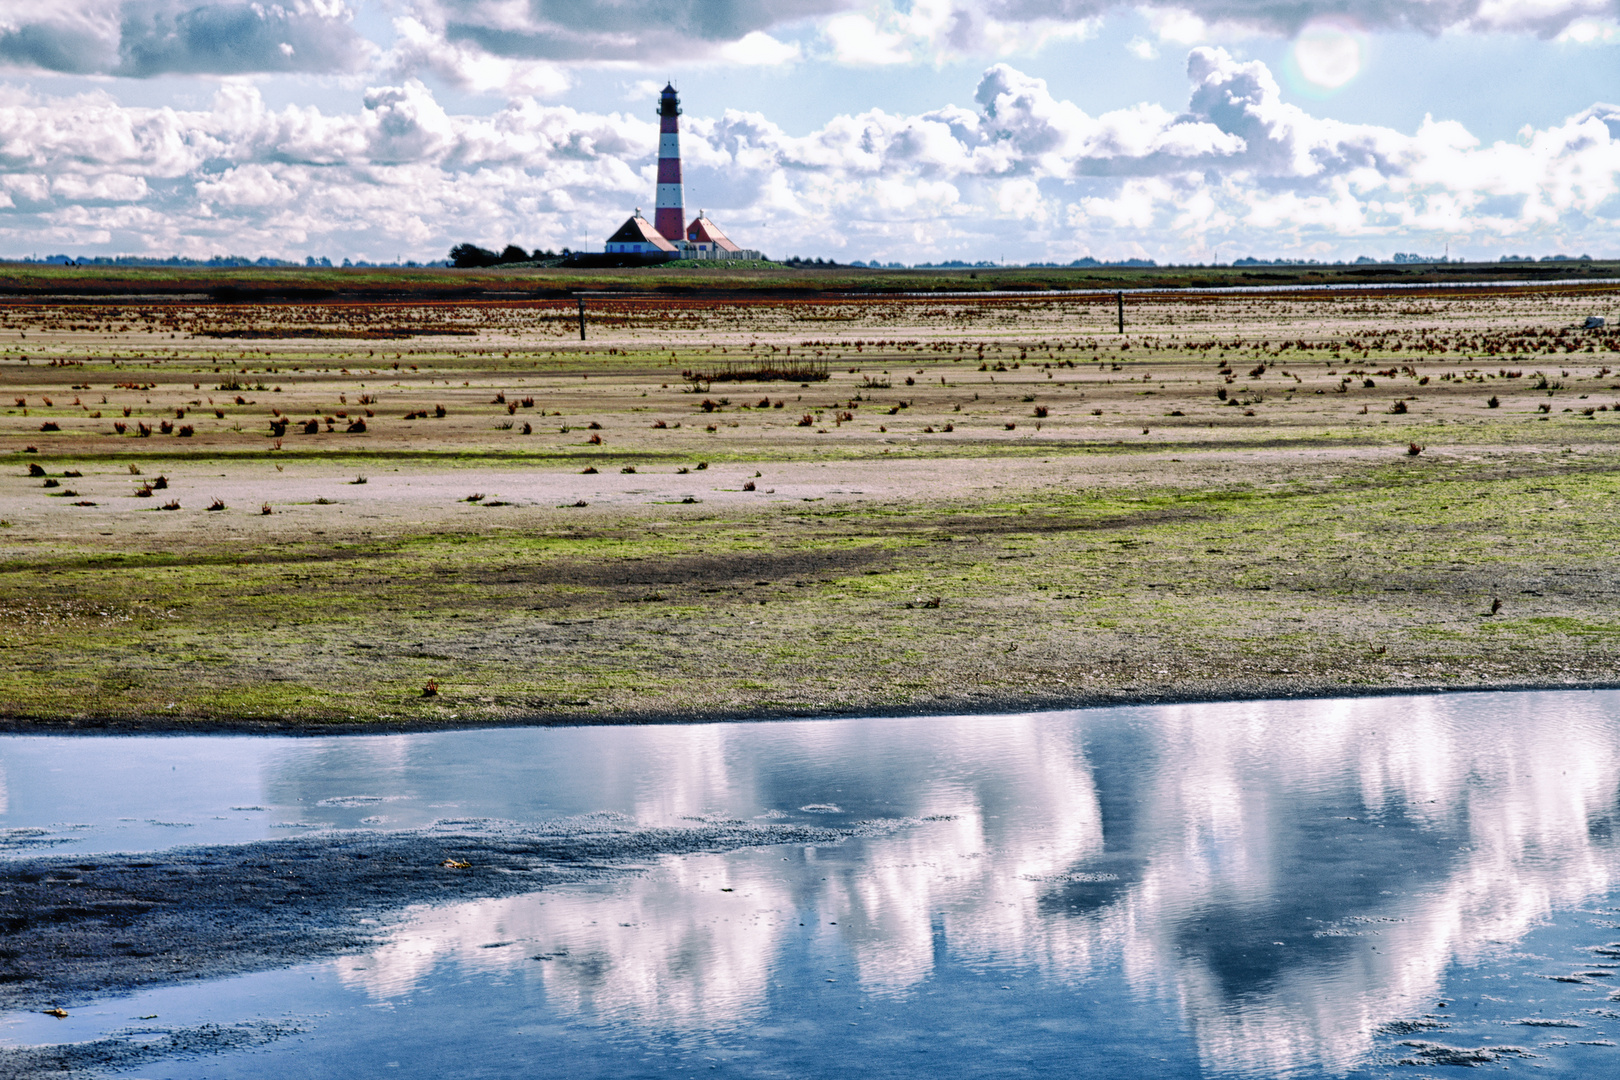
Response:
column 670, row 217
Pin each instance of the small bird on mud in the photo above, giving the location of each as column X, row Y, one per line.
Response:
column 1496, row 605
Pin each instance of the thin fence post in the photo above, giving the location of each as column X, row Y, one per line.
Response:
column 1118, row 296
column 582, row 318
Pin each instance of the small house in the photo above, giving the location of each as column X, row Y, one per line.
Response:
column 707, row 241
column 638, row 237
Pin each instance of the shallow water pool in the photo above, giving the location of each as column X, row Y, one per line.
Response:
column 1318, row 888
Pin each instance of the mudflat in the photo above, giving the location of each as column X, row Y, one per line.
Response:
column 386, row 513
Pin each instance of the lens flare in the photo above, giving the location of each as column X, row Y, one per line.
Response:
column 1328, row 54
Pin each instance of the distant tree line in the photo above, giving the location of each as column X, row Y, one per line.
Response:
column 471, row 255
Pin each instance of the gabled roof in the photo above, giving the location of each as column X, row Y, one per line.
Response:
column 703, row 230
column 639, row 230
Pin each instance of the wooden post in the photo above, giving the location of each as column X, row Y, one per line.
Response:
column 582, row 318
column 1118, row 296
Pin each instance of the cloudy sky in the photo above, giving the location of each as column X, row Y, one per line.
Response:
column 898, row 130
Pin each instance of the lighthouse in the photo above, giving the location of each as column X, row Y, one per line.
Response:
column 640, row 242
column 670, row 217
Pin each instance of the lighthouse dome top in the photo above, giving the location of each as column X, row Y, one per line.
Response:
column 669, row 103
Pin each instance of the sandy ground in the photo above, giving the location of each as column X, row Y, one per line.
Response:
column 984, row 504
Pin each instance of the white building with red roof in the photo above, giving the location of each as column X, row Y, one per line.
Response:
column 638, row 237
column 708, row 242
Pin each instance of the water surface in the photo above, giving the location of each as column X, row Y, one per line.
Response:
column 1237, row 890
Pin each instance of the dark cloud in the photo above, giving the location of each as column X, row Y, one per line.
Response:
column 158, row 38
column 143, row 38
column 615, row 29
column 70, row 49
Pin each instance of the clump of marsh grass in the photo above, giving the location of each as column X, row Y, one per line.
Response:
column 786, row 370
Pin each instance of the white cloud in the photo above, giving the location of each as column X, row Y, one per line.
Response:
column 1592, row 32
column 759, row 49
column 419, row 48
column 1020, row 198
column 856, row 40
column 1024, row 173
column 1142, row 48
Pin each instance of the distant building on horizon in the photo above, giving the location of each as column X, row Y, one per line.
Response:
column 667, row 236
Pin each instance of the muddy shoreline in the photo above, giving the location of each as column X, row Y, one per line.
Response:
column 974, row 704
column 74, row 928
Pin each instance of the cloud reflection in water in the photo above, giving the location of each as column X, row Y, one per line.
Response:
column 1287, row 876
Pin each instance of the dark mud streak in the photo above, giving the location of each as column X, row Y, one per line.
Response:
column 134, row 1047
column 685, row 570
column 73, row 928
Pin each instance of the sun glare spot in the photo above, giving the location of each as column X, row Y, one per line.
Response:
column 1328, row 54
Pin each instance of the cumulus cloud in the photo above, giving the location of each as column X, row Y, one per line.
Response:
column 143, row 38
column 1019, row 171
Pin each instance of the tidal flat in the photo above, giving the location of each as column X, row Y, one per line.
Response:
column 1343, row 887
column 766, row 507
